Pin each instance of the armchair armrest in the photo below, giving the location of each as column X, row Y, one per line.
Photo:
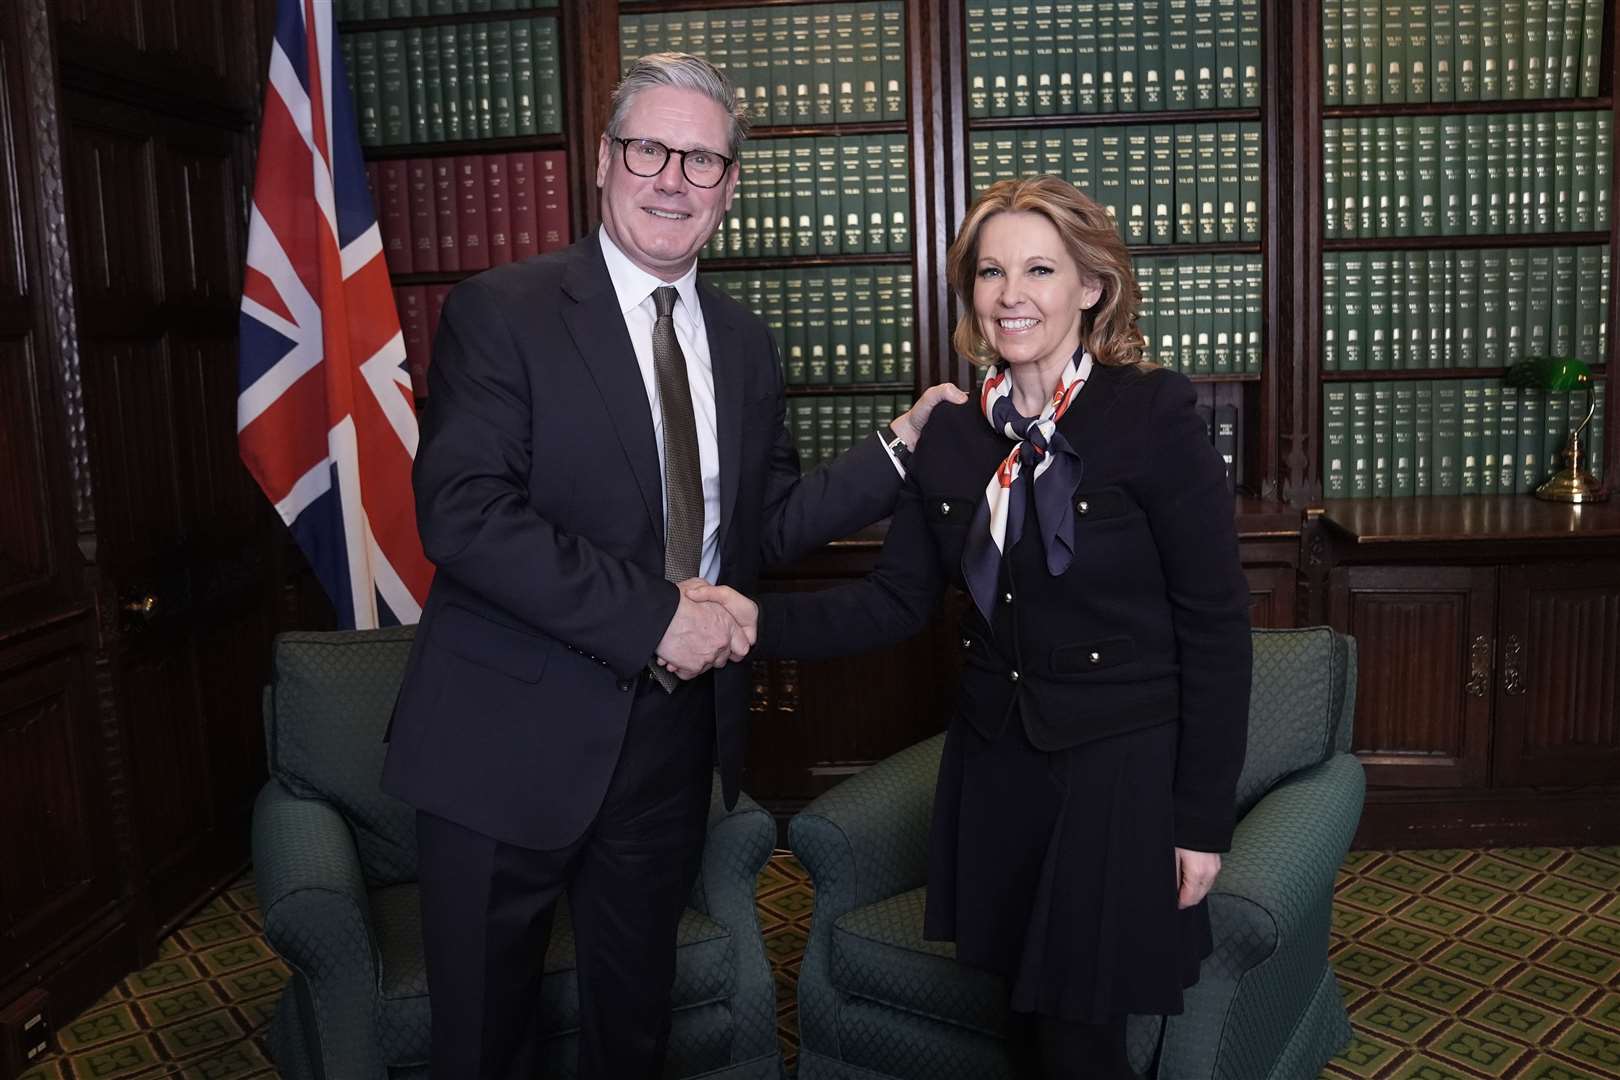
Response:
column 313, row 897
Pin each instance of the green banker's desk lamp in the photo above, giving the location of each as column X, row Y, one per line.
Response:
column 1571, row 483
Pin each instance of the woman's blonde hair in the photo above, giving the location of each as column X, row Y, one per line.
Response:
column 1108, row 329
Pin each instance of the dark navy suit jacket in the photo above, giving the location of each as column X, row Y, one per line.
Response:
column 540, row 502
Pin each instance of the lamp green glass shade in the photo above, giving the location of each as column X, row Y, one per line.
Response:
column 1571, row 483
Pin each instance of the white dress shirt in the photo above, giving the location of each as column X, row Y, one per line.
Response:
column 634, row 287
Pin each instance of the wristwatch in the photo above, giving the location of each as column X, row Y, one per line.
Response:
column 895, row 445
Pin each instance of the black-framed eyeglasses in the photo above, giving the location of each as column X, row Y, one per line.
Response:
column 647, row 157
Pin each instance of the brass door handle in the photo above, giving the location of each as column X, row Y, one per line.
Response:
column 144, row 608
column 1479, row 666
column 1512, row 659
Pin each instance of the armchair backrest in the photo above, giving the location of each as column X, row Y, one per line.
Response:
column 1302, row 705
column 326, row 712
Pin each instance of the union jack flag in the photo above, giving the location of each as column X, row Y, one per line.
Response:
column 324, row 416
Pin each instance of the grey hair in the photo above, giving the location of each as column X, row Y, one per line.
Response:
column 685, row 72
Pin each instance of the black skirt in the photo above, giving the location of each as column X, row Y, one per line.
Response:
column 1057, row 871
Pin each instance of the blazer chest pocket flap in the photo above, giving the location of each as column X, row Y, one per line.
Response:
column 490, row 644
column 1099, row 505
column 1084, row 657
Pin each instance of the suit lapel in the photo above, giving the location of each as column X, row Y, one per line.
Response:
column 1083, row 422
column 726, row 362
column 597, row 327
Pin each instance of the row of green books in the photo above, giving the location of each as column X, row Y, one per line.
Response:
column 1449, row 437
column 1401, row 310
column 819, row 196
column 1161, row 183
column 826, row 425
column 799, row 64
column 428, row 84
column 834, row 326
column 1480, row 175
column 1057, row 57
column 352, row 10
column 1381, row 52
column 1201, row 314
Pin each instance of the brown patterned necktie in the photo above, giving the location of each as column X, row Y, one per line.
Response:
column 683, row 479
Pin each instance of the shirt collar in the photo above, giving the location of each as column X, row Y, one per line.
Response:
column 634, row 285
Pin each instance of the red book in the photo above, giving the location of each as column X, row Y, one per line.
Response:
column 394, row 217
column 498, row 210
column 446, row 201
column 374, row 182
column 525, row 210
column 474, row 217
column 413, row 323
column 424, row 217
column 551, row 180
column 436, row 296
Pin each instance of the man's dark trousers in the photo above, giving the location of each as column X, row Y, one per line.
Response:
column 487, row 909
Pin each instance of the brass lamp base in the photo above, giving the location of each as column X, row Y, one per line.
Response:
column 1572, row 484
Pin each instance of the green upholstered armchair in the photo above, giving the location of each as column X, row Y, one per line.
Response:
column 876, row 1000
column 335, row 866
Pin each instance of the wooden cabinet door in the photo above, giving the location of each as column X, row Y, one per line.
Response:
column 1271, row 596
column 1423, row 700
column 1558, row 684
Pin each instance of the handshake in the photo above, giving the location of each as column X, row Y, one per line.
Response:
column 714, row 625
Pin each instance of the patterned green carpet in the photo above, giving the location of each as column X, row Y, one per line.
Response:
column 1455, row 965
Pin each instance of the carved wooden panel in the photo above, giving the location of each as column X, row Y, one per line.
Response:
column 26, row 543
column 52, row 818
column 13, row 272
column 1271, row 596
column 1423, row 698
column 198, row 186
column 127, row 391
column 158, row 704
column 1558, row 694
column 190, row 47
column 110, row 210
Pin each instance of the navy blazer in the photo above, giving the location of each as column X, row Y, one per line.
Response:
column 540, row 502
column 1149, row 625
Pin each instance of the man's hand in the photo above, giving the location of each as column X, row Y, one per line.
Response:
column 1195, row 872
column 909, row 425
column 743, row 611
column 699, row 637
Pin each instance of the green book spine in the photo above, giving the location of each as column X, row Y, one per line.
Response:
column 1465, row 49
column 1403, row 439
column 1204, row 314
column 1564, row 125
column 394, row 80
column 1495, row 174
column 368, row 88
column 1426, row 193
column 844, row 413
column 1588, row 283
column 1582, row 153
column 1437, row 317
column 1490, row 416
column 1021, row 56
column 1225, row 306
column 1253, row 315
column 1512, row 49
column 377, row 9
column 1538, row 303
column 1249, row 53
column 1453, row 221
column 1423, row 437
column 865, row 417
column 1489, row 334
column 1127, row 47
column 433, row 66
column 1229, row 179
column 1371, row 39
column 846, row 64
column 1150, row 80
column 898, row 190
column 1043, row 52
column 801, row 88
column 1603, row 311
column 1178, row 53
column 1332, row 57
column 823, row 70
column 851, row 196
column 802, row 422
column 771, row 199
column 1466, row 308
column 1554, row 429
column 979, row 174
column 1545, row 171
column 1532, row 410
column 893, row 59
column 1335, row 440
column 1209, row 183
column 773, row 309
column 1507, row 439
column 483, row 67
column 1562, row 340
column 1417, row 309
column 826, row 428
column 1228, row 88
column 784, row 221
column 1352, row 310
column 978, row 58
column 1147, row 312
column 906, row 329
column 1251, row 178
column 1449, row 291
column 1330, row 312
column 1107, row 46
column 1552, row 57
column 1004, row 155
column 1080, row 159
column 1475, row 161
column 1138, row 187
column 1418, row 86
column 1111, row 174
column 1398, row 342
column 1064, row 58
column 1350, row 52
column 448, row 40
column 1515, row 196
column 701, row 38
column 1384, row 176
column 999, row 26
column 1203, row 55
column 1442, row 42
column 829, row 211
column 863, row 305
column 502, row 87
column 1534, row 45
column 750, row 197
column 1053, row 151
column 884, row 289
column 525, row 105
column 840, row 328
column 1186, row 314
column 1186, row 140
column 1331, row 180
column 1515, row 301
column 1490, row 50
column 794, row 359
column 1595, row 440
column 874, row 152
column 806, row 223
column 756, row 40
column 817, row 344
column 1168, row 315
column 421, row 129
column 652, row 40
column 1393, row 28
column 1447, row 426
column 1602, row 166
column 1162, row 181
column 1366, row 176
column 1376, row 335
column 548, row 100
column 1405, row 155
column 1361, row 440
column 1591, row 60
column 868, row 62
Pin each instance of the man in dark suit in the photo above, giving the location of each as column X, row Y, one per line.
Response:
column 602, row 428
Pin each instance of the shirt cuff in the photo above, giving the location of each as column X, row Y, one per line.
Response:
column 884, row 442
